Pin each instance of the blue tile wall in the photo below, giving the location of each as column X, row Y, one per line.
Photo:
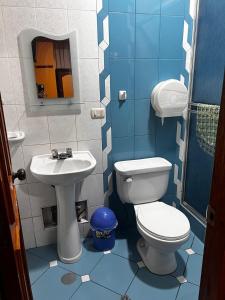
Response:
column 123, row 148
column 122, row 35
column 148, row 7
column 144, row 146
column 122, row 77
column 171, row 36
column 172, row 8
column 122, row 115
column 170, row 68
column 122, row 6
column 146, row 77
column 145, row 47
column 147, row 36
column 144, row 111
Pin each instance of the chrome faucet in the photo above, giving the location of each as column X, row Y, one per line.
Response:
column 62, row 155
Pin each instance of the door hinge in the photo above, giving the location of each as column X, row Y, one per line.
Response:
column 210, row 215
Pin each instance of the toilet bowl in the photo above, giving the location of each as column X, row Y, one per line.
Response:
column 163, row 228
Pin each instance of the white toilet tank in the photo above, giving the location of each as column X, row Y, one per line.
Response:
column 142, row 180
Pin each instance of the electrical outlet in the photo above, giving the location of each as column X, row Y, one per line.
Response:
column 98, row 113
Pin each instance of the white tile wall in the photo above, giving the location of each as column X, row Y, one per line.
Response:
column 51, row 3
column 82, row 4
column 63, row 146
column 89, row 84
column 43, row 236
column 16, row 81
column 16, row 19
column 6, row 86
column 52, row 20
column 62, row 129
column 85, row 22
column 94, row 190
column 23, row 200
column 41, row 195
column 28, row 3
column 28, row 233
column 3, row 52
column 11, row 117
column 88, row 129
column 44, row 133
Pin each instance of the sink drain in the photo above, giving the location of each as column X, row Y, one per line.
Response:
column 68, row 278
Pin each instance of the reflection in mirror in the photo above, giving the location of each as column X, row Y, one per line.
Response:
column 52, row 65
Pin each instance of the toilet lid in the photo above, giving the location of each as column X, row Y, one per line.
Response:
column 163, row 221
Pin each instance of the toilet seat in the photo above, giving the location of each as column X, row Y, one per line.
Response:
column 162, row 221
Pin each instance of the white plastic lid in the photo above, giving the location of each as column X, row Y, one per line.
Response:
column 163, row 221
column 139, row 166
column 169, row 98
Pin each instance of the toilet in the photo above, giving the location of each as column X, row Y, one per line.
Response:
column 163, row 228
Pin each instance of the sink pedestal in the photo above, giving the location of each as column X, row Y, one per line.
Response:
column 64, row 174
column 68, row 236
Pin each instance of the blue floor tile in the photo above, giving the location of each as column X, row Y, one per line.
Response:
column 36, row 266
column 188, row 291
column 193, row 269
column 149, row 286
column 181, row 257
column 126, row 249
column 115, row 273
column 126, row 246
column 189, row 242
column 47, row 253
column 198, row 246
column 88, row 260
column 49, row 286
column 90, row 290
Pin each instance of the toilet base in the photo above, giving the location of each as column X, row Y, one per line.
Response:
column 160, row 263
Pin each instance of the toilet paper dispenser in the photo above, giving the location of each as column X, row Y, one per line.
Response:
column 169, row 98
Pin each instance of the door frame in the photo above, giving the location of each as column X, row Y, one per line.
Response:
column 14, row 276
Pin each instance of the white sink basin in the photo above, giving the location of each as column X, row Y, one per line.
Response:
column 64, row 175
column 63, row 172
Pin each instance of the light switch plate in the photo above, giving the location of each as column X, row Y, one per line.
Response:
column 98, row 113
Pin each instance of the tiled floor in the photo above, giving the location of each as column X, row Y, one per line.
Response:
column 114, row 274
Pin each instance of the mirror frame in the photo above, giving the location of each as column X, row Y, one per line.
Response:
column 28, row 74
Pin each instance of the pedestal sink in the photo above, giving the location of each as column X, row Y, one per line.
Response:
column 64, row 175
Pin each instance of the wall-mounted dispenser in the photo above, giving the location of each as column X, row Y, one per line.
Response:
column 169, row 98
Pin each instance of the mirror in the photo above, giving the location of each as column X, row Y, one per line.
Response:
column 53, row 70
column 44, row 57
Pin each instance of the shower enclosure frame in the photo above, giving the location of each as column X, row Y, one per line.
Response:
column 183, row 203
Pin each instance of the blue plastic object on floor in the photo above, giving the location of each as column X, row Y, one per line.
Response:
column 103, row 225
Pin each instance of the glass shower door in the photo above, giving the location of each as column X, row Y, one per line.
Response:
column 207, row 89
column 199, row 168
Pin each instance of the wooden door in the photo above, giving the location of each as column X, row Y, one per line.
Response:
column 14, row 279
column 213, row 270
